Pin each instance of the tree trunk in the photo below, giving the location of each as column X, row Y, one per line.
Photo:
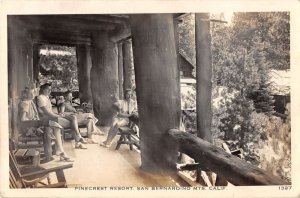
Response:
column 104, row 77
column 127, row 63
column 158, row 90
column 203, row 76
column 84, row 67
column 36, row 60
column 120, row 71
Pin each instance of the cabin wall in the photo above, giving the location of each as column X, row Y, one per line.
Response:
column 20, row 70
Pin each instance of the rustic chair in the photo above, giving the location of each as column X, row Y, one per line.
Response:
column 128, row 136
column 29, row 176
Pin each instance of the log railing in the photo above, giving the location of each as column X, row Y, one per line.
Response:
column 227, row 166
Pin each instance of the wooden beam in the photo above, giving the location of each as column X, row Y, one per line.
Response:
column 229, row 167
column 203, row 76
column 121, row 32
column 60, row 37
column 65, row 22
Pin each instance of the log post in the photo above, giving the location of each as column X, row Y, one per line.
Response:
column 84, row 68
column 47, row 144
column 120, row 71
column 127, row 64
column 36, row 60
column 104, row 76
column 229, row 167
column 203, row 76
column 158, row 90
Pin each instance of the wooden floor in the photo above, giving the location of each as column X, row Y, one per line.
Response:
column 100, row 166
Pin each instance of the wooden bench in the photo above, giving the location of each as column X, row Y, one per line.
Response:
column 29, row 176
column 21, row 141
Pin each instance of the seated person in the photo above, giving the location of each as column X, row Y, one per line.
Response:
column 126, row 108
column 87, row 119
column 28, row 112
column 66, row 121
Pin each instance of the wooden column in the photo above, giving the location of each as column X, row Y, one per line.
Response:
column 203, row 76
column 158, row 90
column 120, row 71
column 35, row 60
column 104, row 76
column 127, row 63
column 84, row 67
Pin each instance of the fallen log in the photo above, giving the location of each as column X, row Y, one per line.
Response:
column 229, row 167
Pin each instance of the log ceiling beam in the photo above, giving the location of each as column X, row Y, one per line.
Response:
column 65, row 23
column 60, row 37
column 73, row 29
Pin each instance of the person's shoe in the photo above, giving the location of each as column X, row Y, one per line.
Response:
column 79, row 146
column 65, row 158
column 105, row 144
column 91, row 141
column 83, row 141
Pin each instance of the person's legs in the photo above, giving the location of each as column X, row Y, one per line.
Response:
column 114, row 130
column 60, row 150
column 71, row 121
column 90, row 125
column 58, row 141
column 89, row 120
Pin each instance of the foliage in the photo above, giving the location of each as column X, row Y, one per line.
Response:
column 61, row 69
column 275, row 151
column 242, row 56
column 189, row 114
column 241, row 62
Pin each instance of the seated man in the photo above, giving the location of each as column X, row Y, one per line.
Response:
column 86, row 119
column 66, row 121
column 126, row 108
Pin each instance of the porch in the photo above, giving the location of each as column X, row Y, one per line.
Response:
column 103, row 45
column 100, row 166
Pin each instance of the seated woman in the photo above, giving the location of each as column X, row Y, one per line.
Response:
column 87, row 119
column 126, row 109
column 28, row 112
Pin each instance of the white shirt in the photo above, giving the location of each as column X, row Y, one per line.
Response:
column 43, row 101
